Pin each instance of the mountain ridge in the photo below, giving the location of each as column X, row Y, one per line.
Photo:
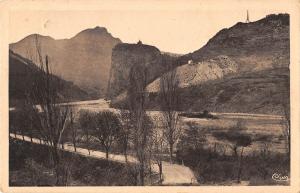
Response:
column 83, row 59
column 242, row 40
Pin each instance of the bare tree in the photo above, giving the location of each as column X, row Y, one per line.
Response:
column 73, row 128
column 238, row 141
column 125, row 132
column 158, row 146
column 137, row 97
column 86, row 124
column 52, row 117
column 106, row 129
column 169, row 103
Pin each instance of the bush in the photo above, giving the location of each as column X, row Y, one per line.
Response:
column 213, row 168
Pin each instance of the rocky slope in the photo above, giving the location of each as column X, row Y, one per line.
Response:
column 196, row 73
column 21, row 78
column 125, row 56
column 84, row 59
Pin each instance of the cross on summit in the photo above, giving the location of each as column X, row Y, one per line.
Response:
column 247, row 19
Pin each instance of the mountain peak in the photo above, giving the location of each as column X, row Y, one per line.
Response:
column 93, row 31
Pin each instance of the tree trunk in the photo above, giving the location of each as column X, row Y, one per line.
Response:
column 240, row 166
column 150, row 172
column 160, row 171
column 74, row 147
column 56, row 161
column 142, row 180
column 235, row 151
column 106, row 152
column 171, row 153
column 125, row 154
column 215, row 148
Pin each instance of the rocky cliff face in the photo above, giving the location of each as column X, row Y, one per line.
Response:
column 126, row 56
column 84, row 59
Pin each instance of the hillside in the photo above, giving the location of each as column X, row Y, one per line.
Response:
column 244, row 68
column 262, row 92
column 254, row 46
column 21, row 72
column 84, row 59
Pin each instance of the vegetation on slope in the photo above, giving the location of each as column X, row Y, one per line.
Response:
column 21, row 79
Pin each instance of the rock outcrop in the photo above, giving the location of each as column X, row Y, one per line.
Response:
column 126, row 56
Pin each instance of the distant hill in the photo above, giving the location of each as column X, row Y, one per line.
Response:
column 244, row 68
column 21, row 77
column 84, row 59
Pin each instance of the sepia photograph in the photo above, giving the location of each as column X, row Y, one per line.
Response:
column 165, row 96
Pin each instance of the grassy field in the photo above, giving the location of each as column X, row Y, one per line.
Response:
column 207, row 147
column 263, row 129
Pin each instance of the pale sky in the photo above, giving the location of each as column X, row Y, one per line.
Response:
column 172, row 30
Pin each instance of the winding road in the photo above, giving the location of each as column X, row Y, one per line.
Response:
column 173, row 174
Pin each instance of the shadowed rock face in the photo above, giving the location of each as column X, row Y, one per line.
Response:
column 127, row 56
column 84, row 59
